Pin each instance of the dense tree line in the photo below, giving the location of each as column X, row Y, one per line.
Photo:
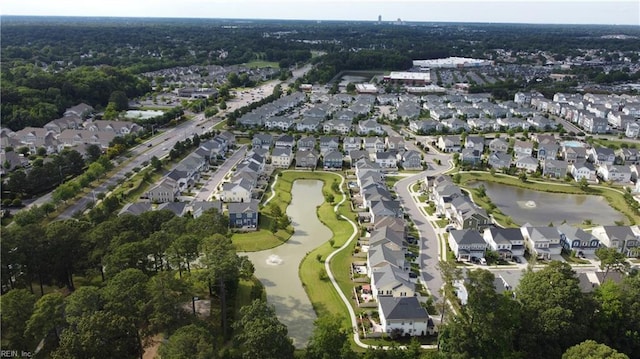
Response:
column 33, row 96
column 46, row 175
column 545, row 316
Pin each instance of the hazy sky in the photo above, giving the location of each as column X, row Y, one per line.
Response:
column 522, row 11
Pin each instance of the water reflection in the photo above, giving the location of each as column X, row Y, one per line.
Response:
column 277, row 268
column 542, row 208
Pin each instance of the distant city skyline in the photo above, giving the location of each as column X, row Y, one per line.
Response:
column 614, row 12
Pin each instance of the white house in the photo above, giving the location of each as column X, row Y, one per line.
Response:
column 404, row 316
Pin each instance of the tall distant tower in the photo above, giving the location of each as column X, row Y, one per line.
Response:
column 379, row 18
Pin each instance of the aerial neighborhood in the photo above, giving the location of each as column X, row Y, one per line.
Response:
column 277, row 189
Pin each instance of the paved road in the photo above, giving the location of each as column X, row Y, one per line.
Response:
column 160, row 147
column 212, row 184
column 162, row 144
column 429, row 243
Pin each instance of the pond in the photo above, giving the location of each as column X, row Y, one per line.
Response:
column 542, row 208
column 277, row 268
column 143, row 115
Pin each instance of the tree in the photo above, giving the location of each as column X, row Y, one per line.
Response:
column 555, row 312
column 222, row 269
column 190, row 341
column 611, row 259
column 329, row 340
column 583, row 184
column 126, row 295
column 120, row 100
column 522, row 176
column 260, row 334
column 82, row 303
column 486, row 325
column 99, row 335
column 93, row 152
column 351, row 87
column 167, row 297
column 17, row 307
column 156, row 163
column 48, row 315
column 590, row 349
column 111, row 112
column 67, row 247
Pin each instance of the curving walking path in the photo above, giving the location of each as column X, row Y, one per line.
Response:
column 345, row 300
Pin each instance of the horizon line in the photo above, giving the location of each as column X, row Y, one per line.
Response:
column 375, row 21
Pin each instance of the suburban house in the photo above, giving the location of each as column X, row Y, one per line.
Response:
column 580, row 170
column 306, row 143
column 164, row 191
column 628, row 156
column 329, row 143
column 498, row 145
column 278, row 122
column 243, row 215
column 405, row 316
column 527, row 163
column 282, row 157
column 178, row 208
column 373, row 144
column 308, row 124
column 508, row 242
column 575, row 239
column 370, row 126
column 263, row 140
column 555, row 168
column 306, row 159
column 285, row 141
column 573, row 154
column 522, row 149
column 499, row 160
column 542, row 242
column 474, row 142
column 467, row 243
column 332, row 160
column 120, row 128
column 424, row 126
column 411, row 160
column 386, row 159
column 449, row 143
column 236, row 192
column 547, row 151
column 390, row 280
column 622, row 238
column 467, row 215
column 471, row 156
column 615, row 173
column 352, row 143
column 395, row 143
column 601, row 155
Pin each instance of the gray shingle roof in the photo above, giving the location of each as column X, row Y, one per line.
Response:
column 402, row 308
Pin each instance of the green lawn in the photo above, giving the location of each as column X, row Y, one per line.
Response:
column 613, row 144
column 321, row 293
column 259, row 240
column 442, row 222
column 391, row 180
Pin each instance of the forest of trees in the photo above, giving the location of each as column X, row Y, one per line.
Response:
column 100, row 286
column 545, row 316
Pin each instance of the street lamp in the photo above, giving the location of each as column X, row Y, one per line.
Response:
column 193, row 304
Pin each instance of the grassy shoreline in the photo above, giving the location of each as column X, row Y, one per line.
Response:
column 613, row 196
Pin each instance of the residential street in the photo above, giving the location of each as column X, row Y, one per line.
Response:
column 211, row 185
